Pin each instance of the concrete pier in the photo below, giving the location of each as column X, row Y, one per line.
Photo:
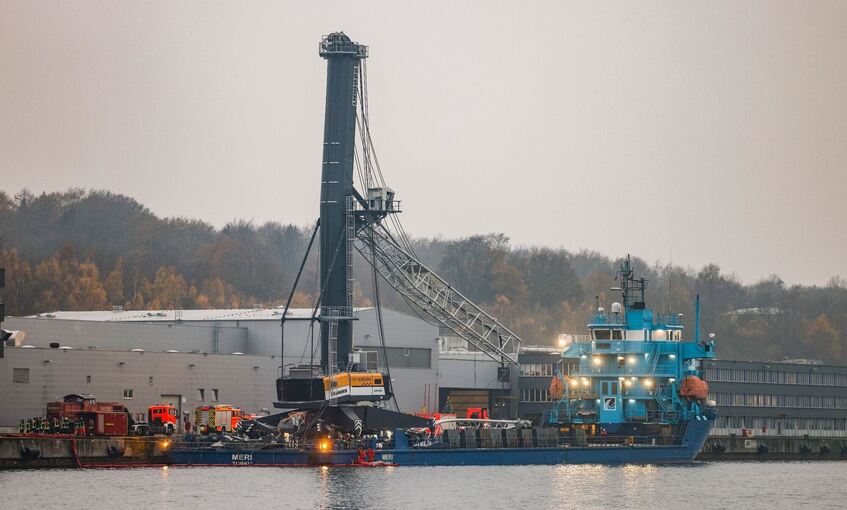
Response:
column 21, row 451
column 774, row 448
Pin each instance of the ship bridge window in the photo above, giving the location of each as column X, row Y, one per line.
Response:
column 602, row 334
column 617, row 334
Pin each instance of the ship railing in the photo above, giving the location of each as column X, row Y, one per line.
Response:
column 668, row 320
column 544, row 437
column 661, row 370
column 603, row 319
column 658, row 415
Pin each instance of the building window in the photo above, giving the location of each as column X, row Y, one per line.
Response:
column 20, row 375
column 535, row 395
column 404, row 357
column 128, row 394
column 202, row 393
column 536, row 369
column 214, row 395
column 150, row 380
column 88, row 379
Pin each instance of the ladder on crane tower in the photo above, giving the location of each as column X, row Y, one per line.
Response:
column 435, row 297
column 349, row 237
column 332, row 364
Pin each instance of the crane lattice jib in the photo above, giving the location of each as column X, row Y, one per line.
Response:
column 435, row 297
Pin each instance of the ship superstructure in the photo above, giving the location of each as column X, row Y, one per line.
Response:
column 637, row 375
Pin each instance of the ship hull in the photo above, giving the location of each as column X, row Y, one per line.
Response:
column 692, row 442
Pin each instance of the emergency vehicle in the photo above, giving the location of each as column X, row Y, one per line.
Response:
column 211, row 419
column 163, row 418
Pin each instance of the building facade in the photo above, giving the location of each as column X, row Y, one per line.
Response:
column 782, row 399
column 33, row 376
column 535, row 370
column 195, row 356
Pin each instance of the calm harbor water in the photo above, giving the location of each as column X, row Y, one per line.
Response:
column 706, row 485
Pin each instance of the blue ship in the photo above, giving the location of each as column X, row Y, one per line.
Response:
column 636, row 376
column 633, row 393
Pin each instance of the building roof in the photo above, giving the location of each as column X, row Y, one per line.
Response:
column 236, row 314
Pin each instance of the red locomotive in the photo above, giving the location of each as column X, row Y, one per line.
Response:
column 100, row 418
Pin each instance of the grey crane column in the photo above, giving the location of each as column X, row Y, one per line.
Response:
column 343, row 57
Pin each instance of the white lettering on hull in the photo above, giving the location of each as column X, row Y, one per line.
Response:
column 242, row 459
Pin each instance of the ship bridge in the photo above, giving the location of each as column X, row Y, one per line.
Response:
column 630, row 370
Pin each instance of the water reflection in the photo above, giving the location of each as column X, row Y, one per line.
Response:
column 639, row 481
column 716, row 485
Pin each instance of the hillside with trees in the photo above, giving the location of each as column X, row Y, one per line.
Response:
column 92, row 250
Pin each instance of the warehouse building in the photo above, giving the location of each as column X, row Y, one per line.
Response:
column 34, row 376
column 194, row 357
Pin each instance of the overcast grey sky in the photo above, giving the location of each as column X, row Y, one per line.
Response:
column 715, row 131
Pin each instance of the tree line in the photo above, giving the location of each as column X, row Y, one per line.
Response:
column 92, row 250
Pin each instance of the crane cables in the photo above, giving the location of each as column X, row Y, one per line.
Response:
column 369, row 159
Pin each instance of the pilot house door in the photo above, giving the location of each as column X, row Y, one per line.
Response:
column 610, row 402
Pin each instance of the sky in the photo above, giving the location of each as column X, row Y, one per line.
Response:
column 696, row 132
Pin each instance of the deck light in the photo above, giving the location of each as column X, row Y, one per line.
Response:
column 672, row 356
column 648, row 383
column 631, row 360
column 628, row 384
column 597, row 360
column 584, row 381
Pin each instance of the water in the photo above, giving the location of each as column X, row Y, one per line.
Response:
column 700, row 486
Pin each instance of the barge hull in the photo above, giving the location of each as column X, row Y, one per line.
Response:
column 404, row 455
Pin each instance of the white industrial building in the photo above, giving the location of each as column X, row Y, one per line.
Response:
column 191, row 357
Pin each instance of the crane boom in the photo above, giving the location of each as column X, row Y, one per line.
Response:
column 434, row 296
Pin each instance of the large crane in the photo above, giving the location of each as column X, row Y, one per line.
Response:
column 366, row 221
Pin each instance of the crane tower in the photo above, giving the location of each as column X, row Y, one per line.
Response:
column 343, row 57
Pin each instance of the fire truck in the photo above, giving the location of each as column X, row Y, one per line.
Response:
column 212, row 419
column 161, row 419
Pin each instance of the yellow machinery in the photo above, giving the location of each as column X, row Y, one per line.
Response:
column 355, row 386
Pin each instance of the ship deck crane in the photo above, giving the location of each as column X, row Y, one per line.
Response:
column 434, row 296
column 367, row 223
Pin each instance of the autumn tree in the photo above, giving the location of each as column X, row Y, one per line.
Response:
column 823, row 340
column 18, row 292
column 167, row 291
column 114, row 284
